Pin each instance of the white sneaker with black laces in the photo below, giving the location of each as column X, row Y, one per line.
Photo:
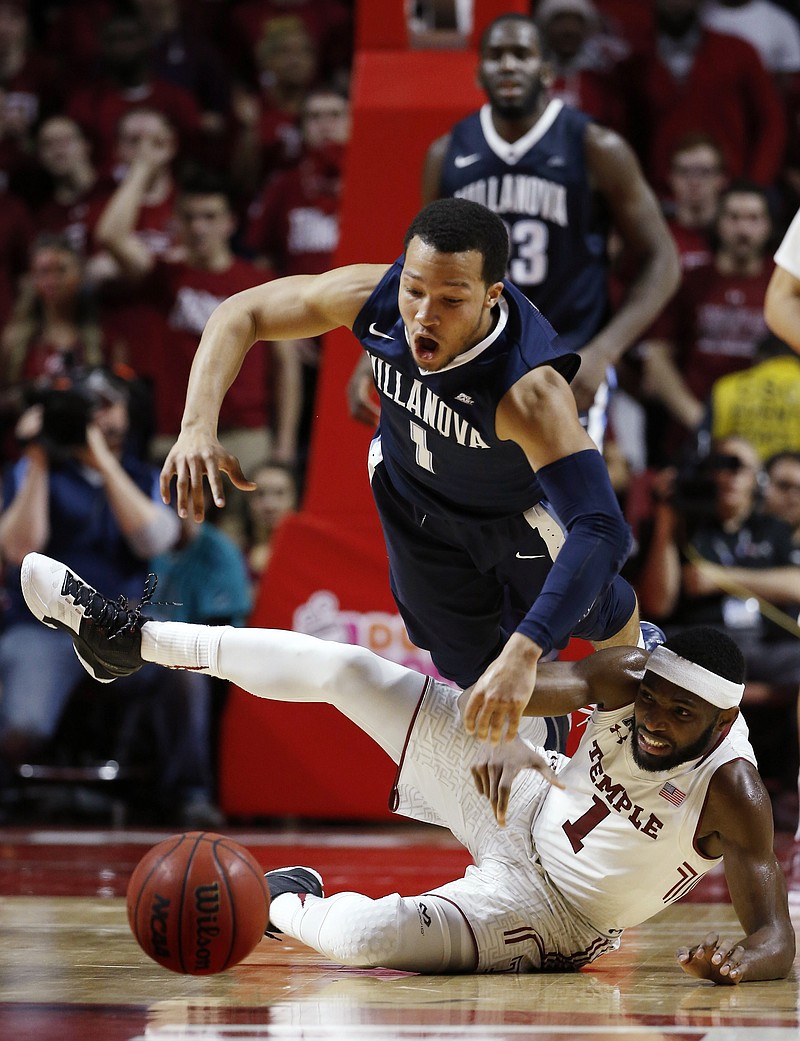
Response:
column 301, row 880
column 106, row 633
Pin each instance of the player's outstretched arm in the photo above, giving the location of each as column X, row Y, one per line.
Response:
column 296, row 307
column 737, row 822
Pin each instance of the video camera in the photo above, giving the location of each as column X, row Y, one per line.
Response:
column 69, row 404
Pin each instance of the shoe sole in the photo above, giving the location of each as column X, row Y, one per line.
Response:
column 38, row 610
column 299, row 867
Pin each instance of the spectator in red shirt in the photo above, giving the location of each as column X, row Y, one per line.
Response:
column 583, row 62
column 270, row 137
column 697, row 176
column 125, row 83
column 328, row 23
column 693, row 79
column 715, row 322
column 27, row 76
column 55, row 327
column 262, row 408
column 294, row 224
column 184, row 57
column 146, row 150
column 64, row 154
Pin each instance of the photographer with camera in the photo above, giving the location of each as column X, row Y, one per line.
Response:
column 80, row 491
column 714, row 557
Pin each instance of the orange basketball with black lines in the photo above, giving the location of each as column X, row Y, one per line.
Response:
column 198, row 903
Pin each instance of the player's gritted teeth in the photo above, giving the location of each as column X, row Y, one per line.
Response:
column 652, row 745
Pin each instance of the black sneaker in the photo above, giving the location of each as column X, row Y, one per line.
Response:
column 292, row 880
column 106, row 633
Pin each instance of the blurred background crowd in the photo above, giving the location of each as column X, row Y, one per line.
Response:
column 157, row 156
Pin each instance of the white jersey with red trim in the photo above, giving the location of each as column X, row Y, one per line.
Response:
column 619, row 841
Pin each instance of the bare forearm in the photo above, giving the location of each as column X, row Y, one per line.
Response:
column 146, row 525
column 288, row 399
column 117, row 224
column 644, row 301
column 780, row 585
column 664, row 382
column 659, row 581
column 25, row 525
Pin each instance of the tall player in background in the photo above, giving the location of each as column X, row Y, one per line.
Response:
column 561, row 183
column 503, row 533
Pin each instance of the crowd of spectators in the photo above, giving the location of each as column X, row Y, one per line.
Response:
column 158, row 155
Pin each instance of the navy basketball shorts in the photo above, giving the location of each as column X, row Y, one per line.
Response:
column 463, row 586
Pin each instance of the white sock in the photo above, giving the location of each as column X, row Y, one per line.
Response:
column 178, row 645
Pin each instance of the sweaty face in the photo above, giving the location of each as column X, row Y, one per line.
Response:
column 511, row 69
column 671, row 725
column 444, row 303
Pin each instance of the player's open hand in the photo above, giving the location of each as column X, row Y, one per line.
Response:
column 497, row 701
column 494, row 773
column 191, row 458
column 714, row 960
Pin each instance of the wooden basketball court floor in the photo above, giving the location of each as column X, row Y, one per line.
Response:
column 70, row 969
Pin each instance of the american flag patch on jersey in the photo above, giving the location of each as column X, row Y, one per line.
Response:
column 672, row 794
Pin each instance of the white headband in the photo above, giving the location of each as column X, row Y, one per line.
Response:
column 694, row 678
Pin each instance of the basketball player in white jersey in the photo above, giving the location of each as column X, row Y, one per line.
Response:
column 568, row 852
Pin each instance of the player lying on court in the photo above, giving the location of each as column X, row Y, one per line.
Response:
column 661, row 788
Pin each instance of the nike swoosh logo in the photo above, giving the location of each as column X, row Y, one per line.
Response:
column 525, row 556
column 466, row 160
column 377, row 332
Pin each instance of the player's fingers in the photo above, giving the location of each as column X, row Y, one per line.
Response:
column 195, row 487
column 165, row 479
column 501, row 805
column 182, row 479
column 480, row 775
column 497, row 724
column 238, row 479
column 513, row 717
column 548, row 773
column 474, row 704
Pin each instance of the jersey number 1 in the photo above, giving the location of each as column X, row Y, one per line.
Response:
column 576, row 831
column 420, row 438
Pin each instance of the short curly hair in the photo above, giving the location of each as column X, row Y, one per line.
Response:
column 711, row 649
column 459, row 226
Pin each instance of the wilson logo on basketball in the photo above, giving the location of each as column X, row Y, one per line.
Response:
column 206, row 906
column 159, row 925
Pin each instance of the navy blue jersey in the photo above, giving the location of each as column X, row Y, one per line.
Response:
column 437, row 429
column 558, row 227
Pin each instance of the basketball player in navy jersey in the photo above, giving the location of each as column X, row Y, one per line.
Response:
column 503, row 533
column 560, row 182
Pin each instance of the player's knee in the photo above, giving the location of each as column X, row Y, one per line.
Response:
column 361, row 932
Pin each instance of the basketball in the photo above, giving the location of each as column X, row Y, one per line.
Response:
column 198, row 903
